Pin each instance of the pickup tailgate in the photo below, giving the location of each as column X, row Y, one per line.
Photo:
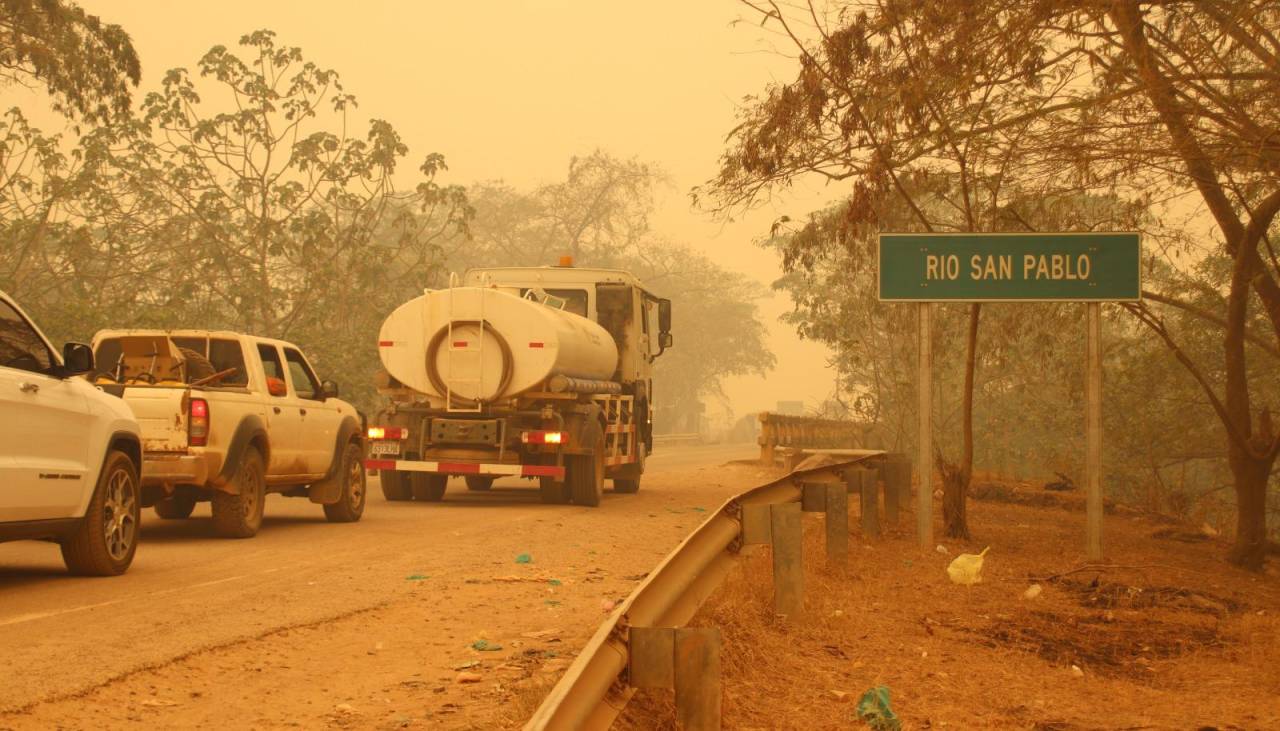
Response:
column 162, row 416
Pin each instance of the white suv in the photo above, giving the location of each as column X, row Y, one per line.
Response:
column 69, row 453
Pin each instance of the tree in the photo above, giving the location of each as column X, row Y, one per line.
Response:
column 1160, row 101
column 86, row 66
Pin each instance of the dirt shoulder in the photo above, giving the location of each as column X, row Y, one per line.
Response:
column 405, row 615
column 1169, row 637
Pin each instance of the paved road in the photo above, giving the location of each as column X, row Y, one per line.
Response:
column 192, row 598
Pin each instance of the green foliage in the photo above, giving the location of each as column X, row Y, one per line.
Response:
column 86, row 66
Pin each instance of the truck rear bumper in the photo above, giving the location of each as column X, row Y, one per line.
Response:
column 467, row 468
column 177, row 469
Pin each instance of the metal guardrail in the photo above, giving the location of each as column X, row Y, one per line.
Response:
column 690, row 438
column 597, row 686
column 801, row 432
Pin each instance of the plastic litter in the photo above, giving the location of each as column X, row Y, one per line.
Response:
column 485, row 646
column 416, row 577
column 942, row 549
column 874, row 709
column 966, row 569
column 524, row 558
column 1032, row 591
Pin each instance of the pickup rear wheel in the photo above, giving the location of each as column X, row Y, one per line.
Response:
column 240, row 515
column 428, row 486
column 106, row 539
column 176, row 507
column 350, row 506
column 585, row 476
column 395, row 485
column 479, row 483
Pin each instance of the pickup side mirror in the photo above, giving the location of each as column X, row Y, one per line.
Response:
column 665, row 340
column 77, row 358
column 328, row 389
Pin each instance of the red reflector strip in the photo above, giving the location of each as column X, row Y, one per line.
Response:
column 379, row 464
column 535, row 470
column 386, row 343
column 535, row 345
column 459, row 468
column 459, row 343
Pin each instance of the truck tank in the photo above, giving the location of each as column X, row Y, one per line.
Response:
column 487, row 343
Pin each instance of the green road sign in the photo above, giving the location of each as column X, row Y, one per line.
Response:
column 1085, row 267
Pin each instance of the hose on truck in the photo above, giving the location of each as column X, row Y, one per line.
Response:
column 433, row 373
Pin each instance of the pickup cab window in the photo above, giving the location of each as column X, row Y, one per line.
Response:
column 273, row 369
column 305, row 384
column 21, row 346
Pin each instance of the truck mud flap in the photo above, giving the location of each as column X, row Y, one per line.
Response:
column 467, row 468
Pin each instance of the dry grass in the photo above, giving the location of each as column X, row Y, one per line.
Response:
column 1185, row 642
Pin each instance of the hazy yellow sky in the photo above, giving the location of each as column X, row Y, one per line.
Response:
column 511, row 90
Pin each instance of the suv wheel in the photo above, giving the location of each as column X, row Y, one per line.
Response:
column 105, row 541
column 350, row 506
column 240, row 515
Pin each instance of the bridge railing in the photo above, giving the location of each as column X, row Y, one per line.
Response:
column 804, row 432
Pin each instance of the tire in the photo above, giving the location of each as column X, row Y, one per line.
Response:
column 428, row 487
column 552, row 492
column 350, row 506
column 585, row 477
column 479, row 483
column 176, row 507
column 106, row 539
column 198, row 366
column 629, row 484
column 240, row 515
column 395, row 485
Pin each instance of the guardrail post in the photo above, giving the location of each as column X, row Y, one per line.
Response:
column 768, row 439
column 684, row 659
column 863, row 482
column 895, row 471
column 837, row 507
column 697, row 676
column 788, row 572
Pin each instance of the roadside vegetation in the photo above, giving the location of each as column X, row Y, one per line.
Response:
column 1007, row 116
column 248, row 193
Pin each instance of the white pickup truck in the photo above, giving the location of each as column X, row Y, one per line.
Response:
column 228, row 418
column 69, row 453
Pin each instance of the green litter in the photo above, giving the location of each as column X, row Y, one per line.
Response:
column 699, row 510
column 552, row 602
column 524, row 558
column 416, row 577
column 485, row 646
column 874, row 709
column 554, row 582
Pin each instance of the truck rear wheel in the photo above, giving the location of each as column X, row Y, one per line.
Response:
column 240, row 515
column 585, row 476
column 395, row 485
column 552, row 492
column 427, row 486
column 479, row 483
column 176, row 508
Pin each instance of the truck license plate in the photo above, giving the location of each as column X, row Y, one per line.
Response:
column 383, row 449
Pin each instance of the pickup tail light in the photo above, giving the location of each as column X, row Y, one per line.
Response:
column 387, row 432
column 198, row 423
column 542, row 437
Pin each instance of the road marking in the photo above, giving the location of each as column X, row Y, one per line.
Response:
column 43, row 615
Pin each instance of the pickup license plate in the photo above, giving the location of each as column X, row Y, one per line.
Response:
column 384, row 448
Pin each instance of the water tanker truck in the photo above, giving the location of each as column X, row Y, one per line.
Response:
column 536, row 372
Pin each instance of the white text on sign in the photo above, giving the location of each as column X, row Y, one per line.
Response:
column 1000, row 267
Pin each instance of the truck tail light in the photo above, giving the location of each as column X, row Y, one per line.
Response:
column 542, row 437
column 198, row 423
column 388, row 432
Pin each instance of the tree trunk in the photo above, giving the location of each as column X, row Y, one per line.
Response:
column 1251, row 479
column 955, row 482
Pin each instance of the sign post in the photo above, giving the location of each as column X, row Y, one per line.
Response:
column 978, row 267
column 924, row 502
